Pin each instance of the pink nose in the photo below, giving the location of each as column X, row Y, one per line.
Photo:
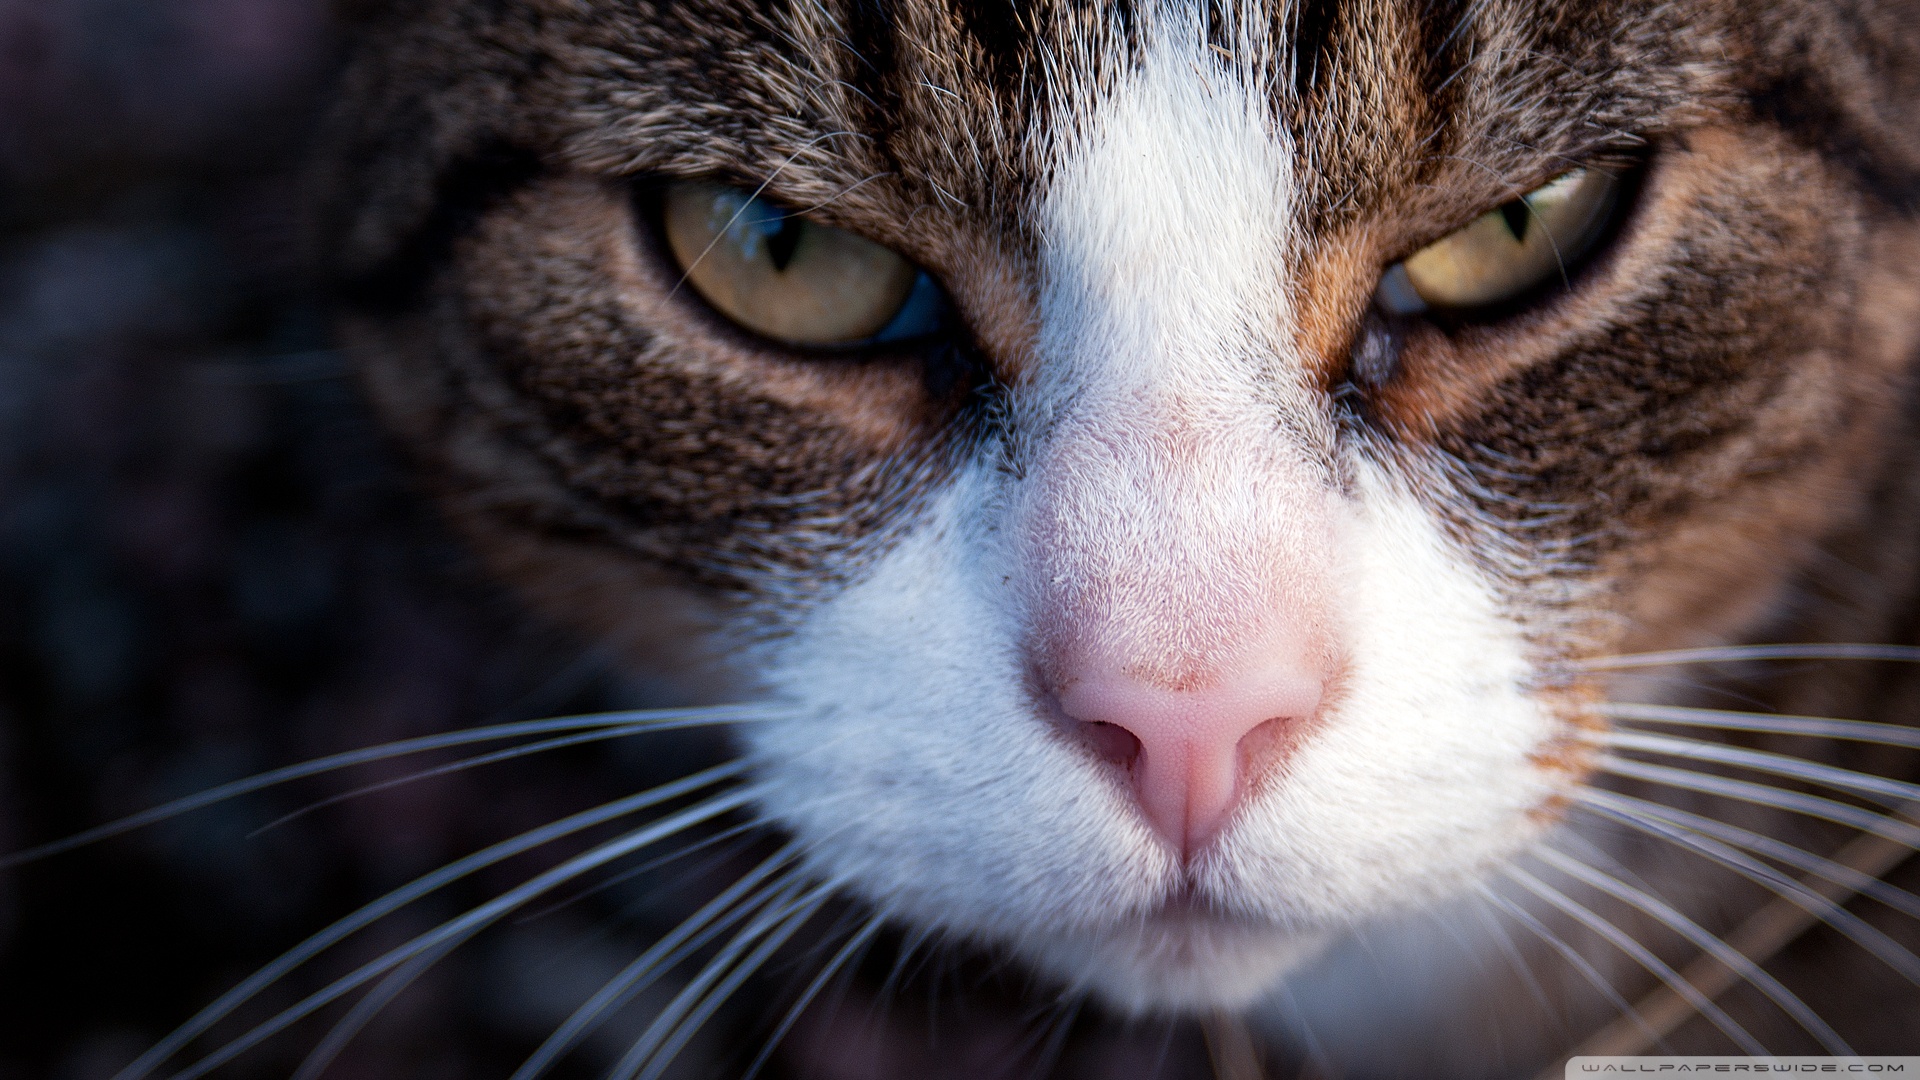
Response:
column 1193, row 753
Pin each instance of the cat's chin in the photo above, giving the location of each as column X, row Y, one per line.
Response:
column 1177, row 963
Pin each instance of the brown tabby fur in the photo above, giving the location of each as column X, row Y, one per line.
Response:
column 1709, row 436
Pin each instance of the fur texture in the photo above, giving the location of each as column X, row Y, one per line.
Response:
column 1162, row 224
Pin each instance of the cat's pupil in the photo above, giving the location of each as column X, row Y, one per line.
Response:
column 782, row 238
column 1517, row 214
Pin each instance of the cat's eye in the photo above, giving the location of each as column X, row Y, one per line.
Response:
column 792, row 279
column 1506, row 253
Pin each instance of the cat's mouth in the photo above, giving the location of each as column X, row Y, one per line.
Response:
column 1190, row 903
column 1184, row 904
column 1185, row 955
column 1187, row 910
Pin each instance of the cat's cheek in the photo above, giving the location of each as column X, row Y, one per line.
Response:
column 1440, row 757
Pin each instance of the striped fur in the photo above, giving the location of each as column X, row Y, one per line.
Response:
column 1162, row 223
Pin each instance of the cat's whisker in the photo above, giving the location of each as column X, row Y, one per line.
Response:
column 1641, row 955
column 449, row 935
column 773, row 898
column 1889, row 826
column 1065, row 1015
column 1728, row 654
column 1510, row 950
column 1620, row 137
column 630, row 722
column 858, row 941
column 1815, row 727
column 475, row 762
column 721, row 233
column 369, row 1006
column 654, row 1051
column 614, row 880
column 1880, row 788
column 1572, row 956
column 1319, row 1056
column 1813, row 901
column 472, row 922
column 1669, row 916
column 918, row 949
column 721, row 994
column 736, row 902
column 1848, row 877
column 844, row 192
column 1761, row 936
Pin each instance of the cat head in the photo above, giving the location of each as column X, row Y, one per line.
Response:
column 1167, row 462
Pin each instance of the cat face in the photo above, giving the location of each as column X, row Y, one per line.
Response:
column 1208, row 570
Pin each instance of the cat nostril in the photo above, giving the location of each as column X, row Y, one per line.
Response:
column 1110, row 742
column 1266, row 745
column 1192, row 755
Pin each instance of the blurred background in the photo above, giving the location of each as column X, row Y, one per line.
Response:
column 210, row 565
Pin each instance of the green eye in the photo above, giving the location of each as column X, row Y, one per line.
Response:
column 1506, row 252
column 792, row 279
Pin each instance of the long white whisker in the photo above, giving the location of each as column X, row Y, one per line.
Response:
column 1761, row 936
column 844, row 192
column 368, row 1007
column 1060, row 1020
column 614, row 880
column 854, row 944
column 693, row 932
column 1511, row 951
column 720, row 994
column 458, row 929
column 757, row 192
column 1737, row 653
column 1317, row 1055
column 1670, row 916
column 1811, row 901
column 1641, row 955
column 1853, row 880
column 1817, row 727
column 631, row 722
column 916, row 951
column 1570, row 954
column 1885, row 825
column 464, row 764
column 656, row 1047
column 1874, row 787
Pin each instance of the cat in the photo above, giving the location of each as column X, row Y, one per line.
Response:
column 1193, row 496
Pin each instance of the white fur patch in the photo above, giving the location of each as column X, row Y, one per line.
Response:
column 1167, row 446
column 1177, row 462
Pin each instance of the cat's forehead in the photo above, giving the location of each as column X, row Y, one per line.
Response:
column 952, row 107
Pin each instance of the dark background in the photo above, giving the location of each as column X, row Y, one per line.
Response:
column 211, row 565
